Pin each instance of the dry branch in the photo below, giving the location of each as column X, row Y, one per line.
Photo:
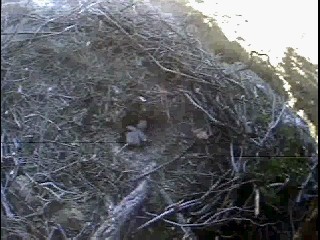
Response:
column 71, row 76
column 123, row 212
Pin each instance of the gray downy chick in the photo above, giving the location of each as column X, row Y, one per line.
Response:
column 135, row 137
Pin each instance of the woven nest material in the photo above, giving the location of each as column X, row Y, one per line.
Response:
column 73, row 79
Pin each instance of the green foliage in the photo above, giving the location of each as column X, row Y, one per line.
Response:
column 294, row 167
column 302, row 76
column 271, row 195
column 263, row 119
column 289, row 160
column 277, row 170
column 290, row 141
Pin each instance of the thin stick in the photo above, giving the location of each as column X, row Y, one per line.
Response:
column 122, row 148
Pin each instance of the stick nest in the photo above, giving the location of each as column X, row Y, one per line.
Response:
column 72, row 79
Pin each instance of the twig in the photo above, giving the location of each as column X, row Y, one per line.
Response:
column 256, row 201
column 201, row 108
column 122, row 212
column 5, row 205
column 233, row 163
column 164, row 164
column 162, row 215
column 181, row 219
column 273, row 125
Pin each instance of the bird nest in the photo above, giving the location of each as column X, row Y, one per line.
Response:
column 74, row 79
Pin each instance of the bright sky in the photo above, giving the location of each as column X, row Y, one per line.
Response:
column 273, row 25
